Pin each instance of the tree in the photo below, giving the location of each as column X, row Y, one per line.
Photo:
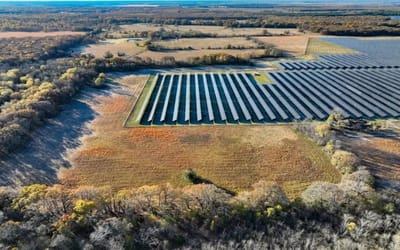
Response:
column 323, row 194
column 100, row 80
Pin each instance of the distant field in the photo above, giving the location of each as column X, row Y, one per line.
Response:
column 207, row 43
column 114, row 46
column 38, row 34
column 184, row 55
column 318, row 46
column 233, row 157
column 217, row 30
column 294, row 45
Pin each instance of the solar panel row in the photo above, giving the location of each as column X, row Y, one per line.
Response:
column 198, row 98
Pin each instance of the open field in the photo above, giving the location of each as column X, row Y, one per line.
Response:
column 233, row 157
column 185, row 55
column 215, row 30
column 114, row 46
column 293, row 45
column 207, row 43
column 39, row 34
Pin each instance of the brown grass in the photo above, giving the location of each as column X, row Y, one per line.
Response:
column 38, row 34
column 114, row 46
column 379, row 154
column 233, row 157
column 294, row 45
column 205, row 43
column 184, row 55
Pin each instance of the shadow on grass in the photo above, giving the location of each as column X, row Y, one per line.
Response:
column 39, row 160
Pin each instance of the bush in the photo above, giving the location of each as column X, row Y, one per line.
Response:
column 323, row 194
column 263, row 195
column 344, row 161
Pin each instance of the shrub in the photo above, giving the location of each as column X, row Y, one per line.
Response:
column 344, row 161
column 189, row 175
column 264, row 194
column 323, row 194
column 322, row 130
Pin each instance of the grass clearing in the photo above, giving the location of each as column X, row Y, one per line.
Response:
column 142, row 102
column 114, row 46
column 233, row 157
column 318, row 46
column 261, row 77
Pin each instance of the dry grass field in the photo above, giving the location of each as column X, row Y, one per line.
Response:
column 293, row 45
column 217, row 30
column 207, row 43
column 233, row 157
column 38, row 34
column 114, row 46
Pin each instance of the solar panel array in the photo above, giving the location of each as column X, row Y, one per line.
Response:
column 371, row 54
column 233, row 98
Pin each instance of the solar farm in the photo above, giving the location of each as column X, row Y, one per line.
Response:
column 361, row 85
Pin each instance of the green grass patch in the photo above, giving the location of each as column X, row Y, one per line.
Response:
column 142, row 102
column 261, row 77
column 318, row 46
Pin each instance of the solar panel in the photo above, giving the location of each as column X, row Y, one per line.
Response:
column 208, row 99
column 153, row 110
column 330, row 82
column 228, row 98
column 298, row 105
column 249, row 98
column 245, row 111
column 166, row 101
column 331, row 92
column 187, row 106
column 259, row 98
column 198, row 103
column 218, row 96
column 177, row 99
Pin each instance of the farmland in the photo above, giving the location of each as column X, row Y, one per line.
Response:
column 292, row 45
column 114, row 46
column 125, row 157
column 207, row 43
column 39, row 34
column 218, row 31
